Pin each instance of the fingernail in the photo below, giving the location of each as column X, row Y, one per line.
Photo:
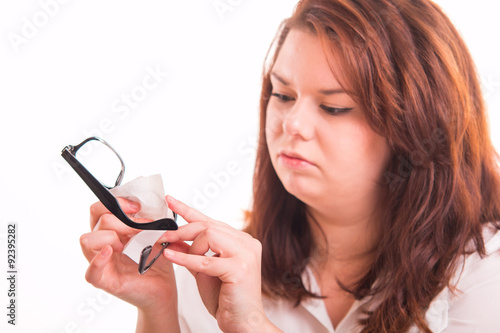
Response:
column 105, row 251
column 135, row 205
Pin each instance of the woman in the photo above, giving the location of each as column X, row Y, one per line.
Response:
column 376, row 202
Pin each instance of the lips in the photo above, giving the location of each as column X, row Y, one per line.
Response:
column 293, row 160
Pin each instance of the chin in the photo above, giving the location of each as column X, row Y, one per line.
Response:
column 302, row 188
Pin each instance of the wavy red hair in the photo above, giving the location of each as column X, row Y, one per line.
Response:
column 414, row 77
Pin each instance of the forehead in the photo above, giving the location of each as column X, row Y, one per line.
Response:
column 302, row 57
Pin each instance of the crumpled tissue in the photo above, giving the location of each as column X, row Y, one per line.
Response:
column 149, row 193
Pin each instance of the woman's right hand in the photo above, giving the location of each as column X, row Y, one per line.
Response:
column 114, row 272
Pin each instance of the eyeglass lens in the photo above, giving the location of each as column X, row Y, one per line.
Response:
column 101, row 161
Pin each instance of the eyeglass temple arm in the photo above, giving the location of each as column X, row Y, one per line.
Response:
column 108, row 200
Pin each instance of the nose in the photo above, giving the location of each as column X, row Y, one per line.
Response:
column 299, row 121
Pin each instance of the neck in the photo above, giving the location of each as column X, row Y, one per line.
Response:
column 344, row 246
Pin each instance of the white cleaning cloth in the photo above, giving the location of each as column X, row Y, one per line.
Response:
column 149, row 193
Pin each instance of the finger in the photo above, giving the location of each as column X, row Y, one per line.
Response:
column 94, row 241
column 212, row 266
column 189, row 232
column 179, row 247
column 110, row 222
column 218, row 240
column 97, row 209
column 95, row 271
column 188, row 213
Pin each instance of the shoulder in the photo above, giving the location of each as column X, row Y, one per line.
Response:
column 471, row 307
column 475, row 269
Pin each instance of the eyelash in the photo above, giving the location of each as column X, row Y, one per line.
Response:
column 333, row 111
column 282, row 98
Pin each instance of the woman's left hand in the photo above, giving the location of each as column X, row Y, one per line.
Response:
column 229, row 282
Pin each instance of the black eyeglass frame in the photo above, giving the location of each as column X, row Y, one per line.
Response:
column 104, row 195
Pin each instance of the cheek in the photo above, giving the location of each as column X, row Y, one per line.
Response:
column 373, row 157
column 381, row 157
column 359, row 153
column 376, row 152
column 274, row 123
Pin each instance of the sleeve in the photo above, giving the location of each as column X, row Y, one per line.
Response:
column 193, row 315
column 474, row 307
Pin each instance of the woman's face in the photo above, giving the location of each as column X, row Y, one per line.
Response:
column 321, row 145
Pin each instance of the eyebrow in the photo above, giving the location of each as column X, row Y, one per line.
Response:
column 326, row 92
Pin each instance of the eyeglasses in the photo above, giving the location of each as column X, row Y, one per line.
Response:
column 105, row 157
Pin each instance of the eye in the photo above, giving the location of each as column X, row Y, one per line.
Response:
column 335, row 111
column 282, row 98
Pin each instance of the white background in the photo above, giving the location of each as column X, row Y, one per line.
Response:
column 66, row 82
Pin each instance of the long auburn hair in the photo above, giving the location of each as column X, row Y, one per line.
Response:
column 414, row 78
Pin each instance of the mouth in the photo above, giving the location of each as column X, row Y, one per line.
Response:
column 293, row 160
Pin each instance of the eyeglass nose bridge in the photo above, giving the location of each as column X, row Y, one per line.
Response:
column 143, row 267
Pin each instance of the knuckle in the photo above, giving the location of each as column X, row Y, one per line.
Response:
column 217, row 222
column 84, row 240
column 210, row 231
column 95, row 284
column 114, row 286
column 249, row 237
column 95, row 208
column 255, row 242
column 207, row 224
column 244, row 267
column 206, row 262
column 106, row 221
column 224, row 316
column 89, row 277
column 114, row 236
column 111, row 237
column 255, row 245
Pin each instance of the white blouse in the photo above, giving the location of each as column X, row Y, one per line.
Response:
column 472, row 309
